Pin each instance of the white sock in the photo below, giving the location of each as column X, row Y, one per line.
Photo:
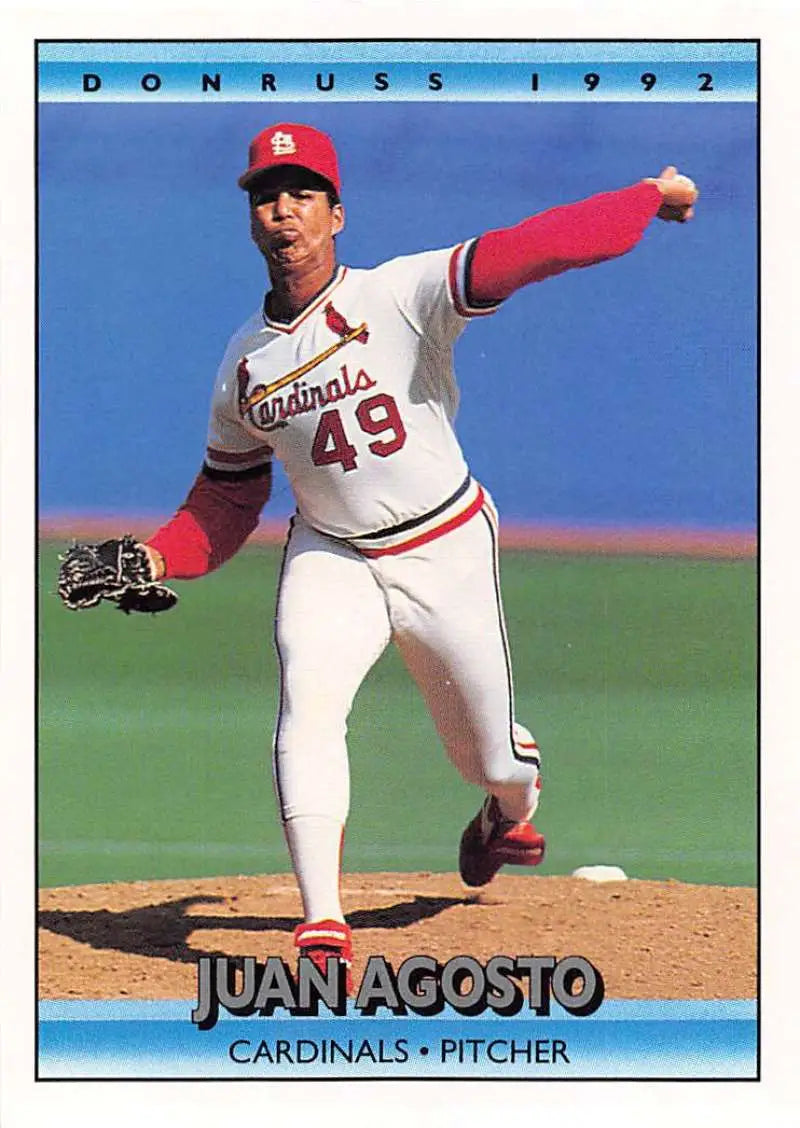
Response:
column 315, row 843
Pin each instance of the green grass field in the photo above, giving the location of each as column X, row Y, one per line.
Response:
column 637, row 676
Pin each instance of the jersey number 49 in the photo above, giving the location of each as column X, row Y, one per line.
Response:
column 377, row 415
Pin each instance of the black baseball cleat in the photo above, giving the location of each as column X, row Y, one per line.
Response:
column 491, row 841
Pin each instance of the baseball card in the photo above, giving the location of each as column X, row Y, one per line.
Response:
column 397, row 513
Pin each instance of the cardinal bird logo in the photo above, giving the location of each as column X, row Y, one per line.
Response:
column 338, row 324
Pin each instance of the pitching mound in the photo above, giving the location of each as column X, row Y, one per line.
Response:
column 653, row 940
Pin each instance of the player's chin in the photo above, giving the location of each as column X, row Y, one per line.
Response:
column 286, row 254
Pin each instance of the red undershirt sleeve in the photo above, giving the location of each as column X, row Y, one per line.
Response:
column 590, row 231
column 219, row 514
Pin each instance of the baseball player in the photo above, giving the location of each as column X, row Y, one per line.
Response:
column 346, row 376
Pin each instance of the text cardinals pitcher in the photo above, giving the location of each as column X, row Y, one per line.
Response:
column 346, row 376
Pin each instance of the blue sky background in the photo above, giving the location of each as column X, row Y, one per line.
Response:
column 622, row 394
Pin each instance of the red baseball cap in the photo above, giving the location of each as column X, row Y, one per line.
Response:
column 288, row 143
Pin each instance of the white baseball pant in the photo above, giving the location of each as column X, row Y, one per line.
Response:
column 336, row 612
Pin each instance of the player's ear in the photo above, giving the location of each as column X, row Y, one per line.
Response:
column 337, row 219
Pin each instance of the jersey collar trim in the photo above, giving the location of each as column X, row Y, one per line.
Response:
column 289, row 327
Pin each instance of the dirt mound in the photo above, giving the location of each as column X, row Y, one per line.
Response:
column 653, row 940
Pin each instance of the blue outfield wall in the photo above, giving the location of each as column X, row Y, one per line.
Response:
column 622, row 394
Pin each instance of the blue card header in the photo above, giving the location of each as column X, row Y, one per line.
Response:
column 388, row 71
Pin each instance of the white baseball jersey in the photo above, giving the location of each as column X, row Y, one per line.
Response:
column 357, row 398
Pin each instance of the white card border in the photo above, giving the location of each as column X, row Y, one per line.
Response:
column 449, row 1102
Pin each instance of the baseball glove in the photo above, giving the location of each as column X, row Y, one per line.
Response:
column 117, row 570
